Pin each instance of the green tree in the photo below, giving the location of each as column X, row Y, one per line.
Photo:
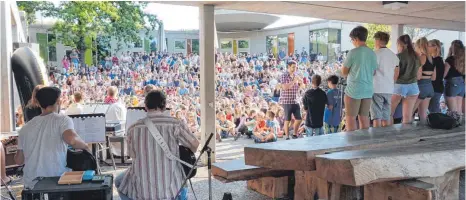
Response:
column 30, row 7
column 77, row 20
column 374, row 28
column 416, row 33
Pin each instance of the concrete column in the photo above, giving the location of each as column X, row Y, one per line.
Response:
column 397, row 31
column 6, row 49
column 207, row 56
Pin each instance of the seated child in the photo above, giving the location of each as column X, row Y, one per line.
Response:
column 250, row 122
column 266, row 130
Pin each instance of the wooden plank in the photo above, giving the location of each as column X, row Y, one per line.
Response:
column 273, row 187
column 427, row 158
column 447, row 186
column 411, row 190
column 309, row 187
column 299, row 154
column 236, row 170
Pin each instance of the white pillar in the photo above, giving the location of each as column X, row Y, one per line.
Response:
column 207, row 42
column 397, row 31
column 6, row 49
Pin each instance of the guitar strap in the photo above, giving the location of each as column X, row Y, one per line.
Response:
column 161, row 142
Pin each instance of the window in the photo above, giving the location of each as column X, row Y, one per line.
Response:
column 324, row 44
column 52, row 49
column 271, row 44
column 138, row 44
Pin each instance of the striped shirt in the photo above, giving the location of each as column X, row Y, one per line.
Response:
column 288, row 96
column 152, row 176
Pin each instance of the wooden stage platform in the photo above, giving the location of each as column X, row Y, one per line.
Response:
column 396, row 162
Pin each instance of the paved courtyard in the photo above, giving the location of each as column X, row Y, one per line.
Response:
column 226, row 150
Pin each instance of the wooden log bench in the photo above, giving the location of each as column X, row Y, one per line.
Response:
column 345, row 165
column 300, row 154
column 269, row 182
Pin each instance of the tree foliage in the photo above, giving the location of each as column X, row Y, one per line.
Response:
column 374, row 28
column 416, row 33
column 121, row 20
column 30, row 7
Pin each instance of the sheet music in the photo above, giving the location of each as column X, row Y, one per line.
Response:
column 132, row 116
column 90, row 129
column 101, row 108
column 89, row 108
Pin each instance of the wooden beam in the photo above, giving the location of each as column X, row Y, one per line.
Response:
column 427, row 158
column 410, row 190
column 236, row 170
column 447, row 186
column 299, row 154
column 273, row 187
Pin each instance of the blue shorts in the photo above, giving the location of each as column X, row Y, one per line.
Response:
column 426, row 89
column 454, row 87
column 405, row 90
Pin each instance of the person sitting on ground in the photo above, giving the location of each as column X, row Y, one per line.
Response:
column 76, row 108
column 152, row 175
column 43, row 141
column 225, row 127
column 314, row 102
column 269, row 133
column 250, row 123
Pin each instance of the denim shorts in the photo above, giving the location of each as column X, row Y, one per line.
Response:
column 454, row 87
column 405, row 90
column 426, row 89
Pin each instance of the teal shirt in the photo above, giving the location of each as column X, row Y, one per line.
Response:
column 362, row 63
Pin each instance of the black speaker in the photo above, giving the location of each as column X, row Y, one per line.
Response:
column 48, row 188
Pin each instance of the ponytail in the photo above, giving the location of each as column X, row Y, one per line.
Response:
column 405, row 40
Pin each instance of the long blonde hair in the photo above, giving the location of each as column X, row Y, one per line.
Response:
column 422, row 44
column 438, row 47
column 457, row 51
column 32, row 103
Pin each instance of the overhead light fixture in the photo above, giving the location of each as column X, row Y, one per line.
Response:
column 394, row 5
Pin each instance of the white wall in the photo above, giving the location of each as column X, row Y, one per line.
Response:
column 257, row 39
column 446, row 37
column 171, row 36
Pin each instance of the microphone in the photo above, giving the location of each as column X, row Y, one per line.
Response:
column 206, row 145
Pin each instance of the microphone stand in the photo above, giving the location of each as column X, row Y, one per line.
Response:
column 207, row 149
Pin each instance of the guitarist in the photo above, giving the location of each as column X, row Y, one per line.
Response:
column 152, row 175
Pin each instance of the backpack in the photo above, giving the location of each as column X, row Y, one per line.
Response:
column 80, row 160
column 441, row 121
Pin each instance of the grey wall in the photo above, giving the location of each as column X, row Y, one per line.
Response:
column 171, row 36
column 257, row 39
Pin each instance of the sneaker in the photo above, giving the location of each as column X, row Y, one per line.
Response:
column 237, row 136
column 288, row 138
column 294, row 137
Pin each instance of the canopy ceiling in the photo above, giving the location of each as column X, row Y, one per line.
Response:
column 445, row 15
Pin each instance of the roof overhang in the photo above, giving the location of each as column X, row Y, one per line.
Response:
column 229, row 21
column 444, row 15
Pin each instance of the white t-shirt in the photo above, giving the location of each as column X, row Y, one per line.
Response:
column 41, row 140
column 383, row 78
column 75, row 109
